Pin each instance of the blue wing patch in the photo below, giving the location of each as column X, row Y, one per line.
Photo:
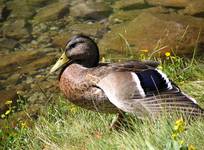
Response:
column 153, row 81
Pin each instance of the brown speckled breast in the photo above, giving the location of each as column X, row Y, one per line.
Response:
column 79, row 86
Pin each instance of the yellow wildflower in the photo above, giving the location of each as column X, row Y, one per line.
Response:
column 144, row 50
column 179, row 121
column 8, row 112
column 174, row 136
column 73, row 109
column 103, row 60
column 23, row 124
column 191, row 147
column 181, row 142
column 179, row 125
column 178, row 128
column 3, row 116
column 167, row 54
column 8, row 102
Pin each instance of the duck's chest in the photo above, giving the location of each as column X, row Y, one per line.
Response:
column 80, row 90
column 73, row 83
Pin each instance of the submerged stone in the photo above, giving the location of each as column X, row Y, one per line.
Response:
column 16, row 29
column 20, row 9
column 4, row 12
column 9, row 44
column 25, row 9
column 92, row 29
column 195, row 8
column 52, row 12
column 169, row 3
column 90, row 10
column 122, row 16
column 130, row 4
column 163, row 32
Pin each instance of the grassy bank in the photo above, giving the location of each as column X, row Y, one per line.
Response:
column 62, row 125
column 65, row 126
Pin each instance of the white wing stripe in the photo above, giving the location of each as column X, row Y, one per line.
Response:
column 169, row 86
column 138, row 84
column 189, row 97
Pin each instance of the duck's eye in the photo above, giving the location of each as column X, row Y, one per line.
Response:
column 72, row 45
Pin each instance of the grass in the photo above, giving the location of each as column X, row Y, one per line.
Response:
column 65, row 126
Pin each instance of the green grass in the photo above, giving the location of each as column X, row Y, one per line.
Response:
column 65, row 126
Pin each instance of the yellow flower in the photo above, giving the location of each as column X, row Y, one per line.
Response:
column 179, row 121
column 181, row 142
column 167, row 54
column 191, row 147
column 23, row 124
column 73, row 109
column 178, row 128
column 8, row 112
column 174, row 136
column 103, row 60
column 3, row 116
column 8, row 102
column 144, row 50
column 179, row 125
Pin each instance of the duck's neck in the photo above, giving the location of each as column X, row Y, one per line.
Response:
column 87, row 63
column 72, row 70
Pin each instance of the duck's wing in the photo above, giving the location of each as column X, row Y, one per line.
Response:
column 135, row 66
column 147, row 93
column 94, row 75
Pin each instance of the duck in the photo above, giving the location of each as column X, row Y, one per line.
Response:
column 136, row 87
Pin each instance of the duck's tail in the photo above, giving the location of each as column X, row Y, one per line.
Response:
column 173, row 102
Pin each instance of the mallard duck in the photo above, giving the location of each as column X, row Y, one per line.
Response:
column 133, row 86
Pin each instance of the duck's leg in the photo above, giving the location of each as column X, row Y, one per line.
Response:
column 118, row 121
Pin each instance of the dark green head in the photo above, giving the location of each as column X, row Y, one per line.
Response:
column 81, row 50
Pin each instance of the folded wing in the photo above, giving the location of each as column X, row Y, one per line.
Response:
column 147, row 93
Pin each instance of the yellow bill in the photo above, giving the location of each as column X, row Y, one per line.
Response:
column 60, row 62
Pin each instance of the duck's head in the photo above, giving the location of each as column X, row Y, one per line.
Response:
column 80, row 50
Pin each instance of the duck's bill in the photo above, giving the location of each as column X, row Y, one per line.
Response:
column 60, row 62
